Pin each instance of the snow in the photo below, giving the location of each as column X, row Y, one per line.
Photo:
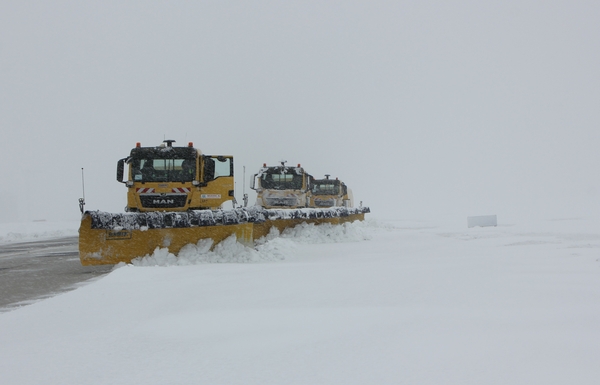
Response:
column 30, row 231
column 376, row 302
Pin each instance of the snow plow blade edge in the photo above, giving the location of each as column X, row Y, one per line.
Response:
column 106, row 238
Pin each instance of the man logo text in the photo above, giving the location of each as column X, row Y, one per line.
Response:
column 163, row 201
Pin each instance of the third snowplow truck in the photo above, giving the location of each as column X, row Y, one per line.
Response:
column 330, row 193
column 175, row 197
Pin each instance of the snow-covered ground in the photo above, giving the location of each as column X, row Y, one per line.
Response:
column 29, row 231
column 379, row 302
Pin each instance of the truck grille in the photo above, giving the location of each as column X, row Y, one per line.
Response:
column 288, row 201
column 163, row 201
column 324, row 202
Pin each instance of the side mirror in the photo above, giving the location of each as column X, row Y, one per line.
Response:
column 253, row 182
column 120, row 169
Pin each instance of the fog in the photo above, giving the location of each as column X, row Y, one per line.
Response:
column 423, row 108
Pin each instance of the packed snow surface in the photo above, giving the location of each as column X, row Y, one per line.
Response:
column 375, row 302
column 31, row 231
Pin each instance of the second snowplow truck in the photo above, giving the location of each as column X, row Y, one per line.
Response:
column 282, row 187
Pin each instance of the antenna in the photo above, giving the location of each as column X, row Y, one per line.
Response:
column 283, row 170
column 82, row 200
column 244, row 189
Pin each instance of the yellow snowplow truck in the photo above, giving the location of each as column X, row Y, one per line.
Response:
column 167, row 178
column 176, row 202
column 282, row 186
column 330, row 193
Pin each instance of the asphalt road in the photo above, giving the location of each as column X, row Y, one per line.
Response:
column 32, row 271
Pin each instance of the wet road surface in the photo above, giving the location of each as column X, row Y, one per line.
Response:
column 31, row 271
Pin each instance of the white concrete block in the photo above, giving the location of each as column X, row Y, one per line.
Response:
column 482, row 221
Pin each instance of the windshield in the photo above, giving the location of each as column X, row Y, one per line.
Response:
column 327, row 188
column 281, row 181
column 163, row 170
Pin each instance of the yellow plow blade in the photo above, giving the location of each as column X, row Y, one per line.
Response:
column 112, row 238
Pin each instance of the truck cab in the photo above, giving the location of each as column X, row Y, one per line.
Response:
column 330, row 193
column 282, row 186
column 168, row 178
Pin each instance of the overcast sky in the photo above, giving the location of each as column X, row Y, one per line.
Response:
column 424, row 108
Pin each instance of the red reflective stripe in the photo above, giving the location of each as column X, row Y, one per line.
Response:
column 146, row 190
